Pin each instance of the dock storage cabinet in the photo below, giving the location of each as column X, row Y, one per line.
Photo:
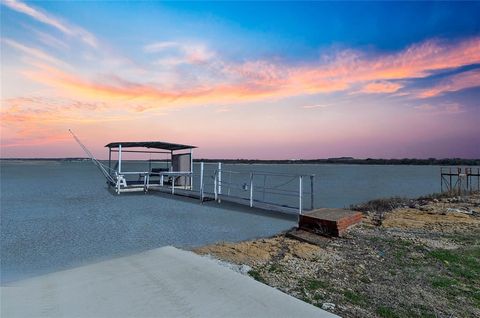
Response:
column 182, row 162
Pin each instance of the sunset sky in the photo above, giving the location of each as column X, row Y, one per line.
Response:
column 242, row 80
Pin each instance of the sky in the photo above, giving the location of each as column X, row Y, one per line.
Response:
column 257, row 80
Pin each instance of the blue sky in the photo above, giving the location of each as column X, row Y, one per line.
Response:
column 299, row 74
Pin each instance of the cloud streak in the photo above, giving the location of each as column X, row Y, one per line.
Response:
column 33, row 52
column 381, row 87
column 52, row 21
column 455, row 83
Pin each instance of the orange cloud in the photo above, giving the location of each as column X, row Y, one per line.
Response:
column 455, row 83
column 254, row 80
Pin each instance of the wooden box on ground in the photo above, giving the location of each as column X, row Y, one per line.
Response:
column 332, row 222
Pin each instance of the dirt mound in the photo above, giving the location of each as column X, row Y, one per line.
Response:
column 261, row 251
column 413, row 218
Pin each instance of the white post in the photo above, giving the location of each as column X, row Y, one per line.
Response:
column 215, row 190
column 201, row 181
column 300, row 195
column 219, row 179
column 191, row 169
column 312, row 189
column 251, row 189
column 119, row 159
column 173, row 184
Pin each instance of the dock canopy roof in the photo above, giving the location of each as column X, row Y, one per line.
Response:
column 150, row 144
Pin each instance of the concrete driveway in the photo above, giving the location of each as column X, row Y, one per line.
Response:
column 164, row 282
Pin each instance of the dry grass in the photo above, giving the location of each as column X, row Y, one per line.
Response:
column 421, row 262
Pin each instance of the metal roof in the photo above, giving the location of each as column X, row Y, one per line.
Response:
column 149, row 144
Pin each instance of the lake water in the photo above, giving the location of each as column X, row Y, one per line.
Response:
column 56, row 215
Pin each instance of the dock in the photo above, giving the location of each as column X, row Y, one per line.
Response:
column 170, row 169
column 329, row 222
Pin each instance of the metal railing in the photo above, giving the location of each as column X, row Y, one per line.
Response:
column 292, row 193
column 258, row 188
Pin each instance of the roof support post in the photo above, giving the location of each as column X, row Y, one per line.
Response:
column 119, row 159
column 109, row 160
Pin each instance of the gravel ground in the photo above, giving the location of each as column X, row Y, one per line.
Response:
column 409, row 258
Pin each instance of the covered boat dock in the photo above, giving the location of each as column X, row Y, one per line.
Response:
column 176, row 170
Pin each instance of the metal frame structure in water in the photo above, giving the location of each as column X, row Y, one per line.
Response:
column 458, row 180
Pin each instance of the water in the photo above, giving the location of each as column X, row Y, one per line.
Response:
column 56, row 215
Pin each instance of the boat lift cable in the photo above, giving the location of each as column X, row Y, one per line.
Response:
column 94, row 160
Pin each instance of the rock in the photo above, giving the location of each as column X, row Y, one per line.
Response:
column 328, row 306
column 458, row 211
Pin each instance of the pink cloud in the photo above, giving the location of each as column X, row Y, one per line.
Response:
column 257, row 80
column 454, row 83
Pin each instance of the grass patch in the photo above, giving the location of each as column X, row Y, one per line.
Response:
column 275, row 268
column 381, row 205
column 256, row 275
column 314, row 284
column 386, row 312
column 354, row 298
column 420, row 311
column 462, row 264
column 443, row 282
column 445, row 256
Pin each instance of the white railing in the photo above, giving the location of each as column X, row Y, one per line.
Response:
column 258, row 188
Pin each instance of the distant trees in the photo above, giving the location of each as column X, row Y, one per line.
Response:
column 368, row 161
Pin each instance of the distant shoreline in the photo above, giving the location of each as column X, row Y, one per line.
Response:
column 342, row 160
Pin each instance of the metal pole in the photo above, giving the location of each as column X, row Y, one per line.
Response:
column 201, row 181
column 229, row 182
column 173, row 184
column 109, row 160
column 441, row 180
column 312, row 192
column 191, row 169
column 119, row 159
column 215, row 190
column 219, row 179
column 251, row 189
column 300, row 194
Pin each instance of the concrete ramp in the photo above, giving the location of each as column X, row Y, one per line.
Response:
column 164, row 282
